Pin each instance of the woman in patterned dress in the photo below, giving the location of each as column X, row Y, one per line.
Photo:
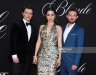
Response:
column 48, row 47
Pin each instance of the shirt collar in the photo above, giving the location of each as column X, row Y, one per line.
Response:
column 71, row 26
column 25, row 21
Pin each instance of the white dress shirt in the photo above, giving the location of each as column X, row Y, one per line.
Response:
column 28, row 28
column 67, row 30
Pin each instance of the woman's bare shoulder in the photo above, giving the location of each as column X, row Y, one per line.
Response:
column 58, row 27
column 41, row 26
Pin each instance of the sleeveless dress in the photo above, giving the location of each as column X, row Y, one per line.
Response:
column 48, row 52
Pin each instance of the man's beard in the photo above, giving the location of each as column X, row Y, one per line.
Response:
column 71, row 22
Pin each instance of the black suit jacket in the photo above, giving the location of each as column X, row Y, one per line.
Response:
column 19, row 43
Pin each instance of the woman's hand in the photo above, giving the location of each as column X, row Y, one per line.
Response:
column 35, row 60
column 58, row 62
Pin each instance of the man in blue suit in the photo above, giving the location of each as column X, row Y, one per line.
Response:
column 72, row 43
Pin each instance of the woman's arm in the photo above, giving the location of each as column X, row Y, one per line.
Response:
column 59, row 41
column 38, row 42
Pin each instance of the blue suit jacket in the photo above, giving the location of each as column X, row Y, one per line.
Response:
column 74, row 39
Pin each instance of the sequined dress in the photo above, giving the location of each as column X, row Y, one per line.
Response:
column 48, row 52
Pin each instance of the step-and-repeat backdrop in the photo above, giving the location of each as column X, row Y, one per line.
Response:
column 10, row 11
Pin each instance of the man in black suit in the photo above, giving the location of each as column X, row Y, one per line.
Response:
column 22, row 43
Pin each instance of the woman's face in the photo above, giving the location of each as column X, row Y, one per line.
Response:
column 50, row 16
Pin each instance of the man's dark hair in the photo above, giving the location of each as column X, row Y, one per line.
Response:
column 73, row 9
column 27, row 7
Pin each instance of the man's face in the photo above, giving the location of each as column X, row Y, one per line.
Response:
column 72, row 16
column 27, row 14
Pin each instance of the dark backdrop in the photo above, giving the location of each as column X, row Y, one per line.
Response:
column 10, row 11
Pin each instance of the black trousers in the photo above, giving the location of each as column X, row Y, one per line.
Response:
column 24, row 69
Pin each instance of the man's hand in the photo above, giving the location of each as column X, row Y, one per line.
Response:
column 74, row 67
column 16, row 60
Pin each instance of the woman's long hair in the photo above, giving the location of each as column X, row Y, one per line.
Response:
column 51, row 9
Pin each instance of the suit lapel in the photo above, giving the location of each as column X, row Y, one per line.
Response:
column 63, row 29
column 72, row 30
column 24, row 30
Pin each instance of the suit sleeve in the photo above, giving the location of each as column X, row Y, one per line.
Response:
column 35, row 34
column 13, row 39
column 80, row 43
